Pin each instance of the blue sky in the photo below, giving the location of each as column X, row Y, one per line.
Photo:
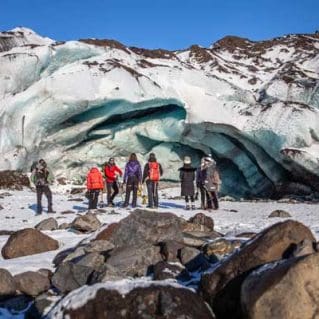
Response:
column 170, row 24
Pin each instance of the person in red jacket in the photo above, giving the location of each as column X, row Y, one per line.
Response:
column 94, row 183
column 111, row 172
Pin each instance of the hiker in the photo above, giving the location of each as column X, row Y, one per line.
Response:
column 94, row 183
column 187, row 177
column 132, row 179
column 151, row 175
column 112, row 172
column 212, row 183
column 42, row 177
column 200, row 182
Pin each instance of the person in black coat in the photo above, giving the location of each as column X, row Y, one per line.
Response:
column 187, row 177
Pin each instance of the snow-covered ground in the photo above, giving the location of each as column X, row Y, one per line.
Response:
column 232, row 218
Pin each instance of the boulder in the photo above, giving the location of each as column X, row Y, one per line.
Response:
column 98, row 246
column 107, row 232
column 32, row 283
column 144, row 302
column 273, row 243
column 90, row 260
column 46, row 273
column 170, row 250
column 279, row 213
column 105, row 274
column 13, row 180
column 143, row 226
column 201, row 219
column 64, row 226
column 70, row 276
column 86, row 223
column 47, row 224
column 285, row 290
column 7, row 284
column 198, row 238
column 41, row 306
column 27, row 242
column 134, row 261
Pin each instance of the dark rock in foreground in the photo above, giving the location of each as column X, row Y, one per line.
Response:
column 13, row 180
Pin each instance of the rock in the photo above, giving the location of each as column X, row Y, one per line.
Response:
column 106, row 233
column 70, row 276
column 198, row 238
column 143, row 226
column 62, row 180
column 65, row 226
column 193, row 259
column 98, row 246
column 68, row 212
column 27, row 242
column 13, row 180
column 46, row 273
column 273, row 243
column 78, row 190
column 134, row 261
column 305, row 247
column 286, row 290
column 164, row 270
column 90, row 260
column 201, row 219
column 6, row 232
column 86, row 223
column 105, row 274
column 41, row 306
column 279, row 213
column 221, row 247
column 1, row 207
column 7, row 284
column 147, row 302
column 170, row 250
column 75, row 199
column 32, row 283
column 246, row 235
column 47, row 224
column 59, row 258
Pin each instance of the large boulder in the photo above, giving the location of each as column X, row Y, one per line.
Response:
column 206, row 223
column 47, row 224
column 221, row 247
column 274, row 243
column 70, row 276
column 149, row 302
column 7, row 284
column 13, row 180
column 32, row 283
column 27, row 242
column 164, row 270
column 146, row 227
column 134, row 261
column 286, row 290
column 86, row 223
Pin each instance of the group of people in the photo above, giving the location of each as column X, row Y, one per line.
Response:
column 205, row 177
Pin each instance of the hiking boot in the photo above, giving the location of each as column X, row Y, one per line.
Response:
column 187, row 207
column 193, row 207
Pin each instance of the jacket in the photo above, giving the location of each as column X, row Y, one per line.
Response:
column 212, row 181
column 94, row 179
column 187, row 177
column 146, row 171
column 132, row 168
column 110, row 172
column 41, row 176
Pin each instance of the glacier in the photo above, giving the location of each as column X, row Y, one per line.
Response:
column 252, row 105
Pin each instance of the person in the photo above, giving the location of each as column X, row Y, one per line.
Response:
column 187, row 177
column 94, row 183
column 212, row 183
column 200, row 182
column 151, row 175
column 42, row 177
column 112, row 171
column 132, row 179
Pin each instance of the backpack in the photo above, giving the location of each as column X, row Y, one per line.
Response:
column 154, row 172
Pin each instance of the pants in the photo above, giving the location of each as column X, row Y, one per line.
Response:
column 187, row 198
column 47, row 192
column 93, row 198
column 109, row 187
column 152, row 193
column 131, row 186
column 202, row 196
column 212, row 199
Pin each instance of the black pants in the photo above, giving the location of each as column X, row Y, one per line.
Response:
column 112, row 190
column 47, row 192
column 131, row 186
column 189, row 197
column 212, row 199
column 202, row 195
column 93, row 198
column 152, row 193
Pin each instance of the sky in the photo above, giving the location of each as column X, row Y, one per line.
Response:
column 168, row 24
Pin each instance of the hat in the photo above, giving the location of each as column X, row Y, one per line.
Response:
column 111, row 159
column 187, row 160
column 210, row 160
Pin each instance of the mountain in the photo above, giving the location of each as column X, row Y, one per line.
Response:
column 252, row 105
